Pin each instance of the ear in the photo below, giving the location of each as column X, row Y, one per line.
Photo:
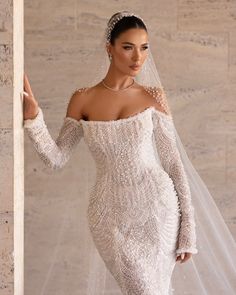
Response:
column 108, row 47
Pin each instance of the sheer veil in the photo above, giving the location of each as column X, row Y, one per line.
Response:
column 213, row 269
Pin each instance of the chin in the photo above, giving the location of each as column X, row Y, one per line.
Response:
column 134, row 74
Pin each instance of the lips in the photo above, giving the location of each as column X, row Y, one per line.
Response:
column 134, row 67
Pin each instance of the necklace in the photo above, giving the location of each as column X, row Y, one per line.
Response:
column 118, row 89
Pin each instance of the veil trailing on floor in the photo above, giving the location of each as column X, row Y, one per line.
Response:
column 213, row 269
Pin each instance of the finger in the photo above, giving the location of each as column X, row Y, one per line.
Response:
column 27, row 87
column 178, row 257
column 22, row 94
column 186, row 257
column 25, row 93
column 182, row 257
column 26, row 83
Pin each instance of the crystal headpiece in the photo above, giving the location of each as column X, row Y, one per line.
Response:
column 115, row 20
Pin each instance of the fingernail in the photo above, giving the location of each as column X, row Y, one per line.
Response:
column 182, row 256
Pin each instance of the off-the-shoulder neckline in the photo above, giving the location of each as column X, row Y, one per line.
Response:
column 122, row 120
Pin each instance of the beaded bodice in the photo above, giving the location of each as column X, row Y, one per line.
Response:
column 117, row 148
column 124, row 149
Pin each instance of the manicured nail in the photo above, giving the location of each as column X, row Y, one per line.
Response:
column 182, row 256
column 26, row 93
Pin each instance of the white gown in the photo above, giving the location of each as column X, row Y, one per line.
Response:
column 140, row 212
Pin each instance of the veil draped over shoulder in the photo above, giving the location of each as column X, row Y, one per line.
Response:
column 213, row 269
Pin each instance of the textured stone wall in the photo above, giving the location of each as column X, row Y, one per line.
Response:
column 11, row 148
column 6, row 151
column 194, row 46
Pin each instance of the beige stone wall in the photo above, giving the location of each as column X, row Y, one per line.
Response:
column 11, row 149
column 194, row 46
column 6, row 149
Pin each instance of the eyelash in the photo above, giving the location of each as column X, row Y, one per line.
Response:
column 129, row 47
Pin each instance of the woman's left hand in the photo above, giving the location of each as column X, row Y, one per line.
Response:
column 183, row 257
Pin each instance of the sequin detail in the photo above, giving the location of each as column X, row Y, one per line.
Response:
column 139, row 213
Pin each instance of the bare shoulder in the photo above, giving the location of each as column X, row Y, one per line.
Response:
column 76, row 103
column 160, row 103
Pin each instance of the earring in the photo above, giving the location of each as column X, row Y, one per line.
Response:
column 110, row 57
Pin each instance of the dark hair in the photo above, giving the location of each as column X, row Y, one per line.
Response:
column 126, row 23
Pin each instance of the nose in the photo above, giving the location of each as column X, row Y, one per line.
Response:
column 136, row 55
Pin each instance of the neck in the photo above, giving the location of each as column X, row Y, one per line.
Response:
column 117, row 80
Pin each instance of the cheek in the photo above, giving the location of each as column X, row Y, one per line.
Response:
column 124, row 56
column 145, row 54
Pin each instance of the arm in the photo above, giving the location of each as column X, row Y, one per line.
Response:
column 165, row 139
column 56, row 153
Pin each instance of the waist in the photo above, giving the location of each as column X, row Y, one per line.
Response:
column 128, row 176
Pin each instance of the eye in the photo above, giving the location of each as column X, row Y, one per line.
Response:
column 127, row 47
column 145, row 47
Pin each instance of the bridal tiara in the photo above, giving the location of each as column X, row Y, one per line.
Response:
column 115, row 20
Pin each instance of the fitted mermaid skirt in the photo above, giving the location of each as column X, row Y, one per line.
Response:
column 135, row 227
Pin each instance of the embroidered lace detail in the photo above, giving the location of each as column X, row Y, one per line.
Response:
column 54, row 153
column 170, row 158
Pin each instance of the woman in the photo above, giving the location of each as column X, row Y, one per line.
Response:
column 140, row 210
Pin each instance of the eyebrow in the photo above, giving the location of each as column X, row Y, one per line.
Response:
column 133, row 43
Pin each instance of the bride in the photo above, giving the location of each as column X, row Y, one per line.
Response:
column 147, row 211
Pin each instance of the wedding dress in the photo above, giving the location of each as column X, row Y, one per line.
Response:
column 136, row 203
column 147, row 203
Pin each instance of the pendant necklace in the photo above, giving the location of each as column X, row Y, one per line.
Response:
column 118, row 89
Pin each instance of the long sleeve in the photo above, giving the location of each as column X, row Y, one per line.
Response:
column 54, row 153
column 166, row 143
